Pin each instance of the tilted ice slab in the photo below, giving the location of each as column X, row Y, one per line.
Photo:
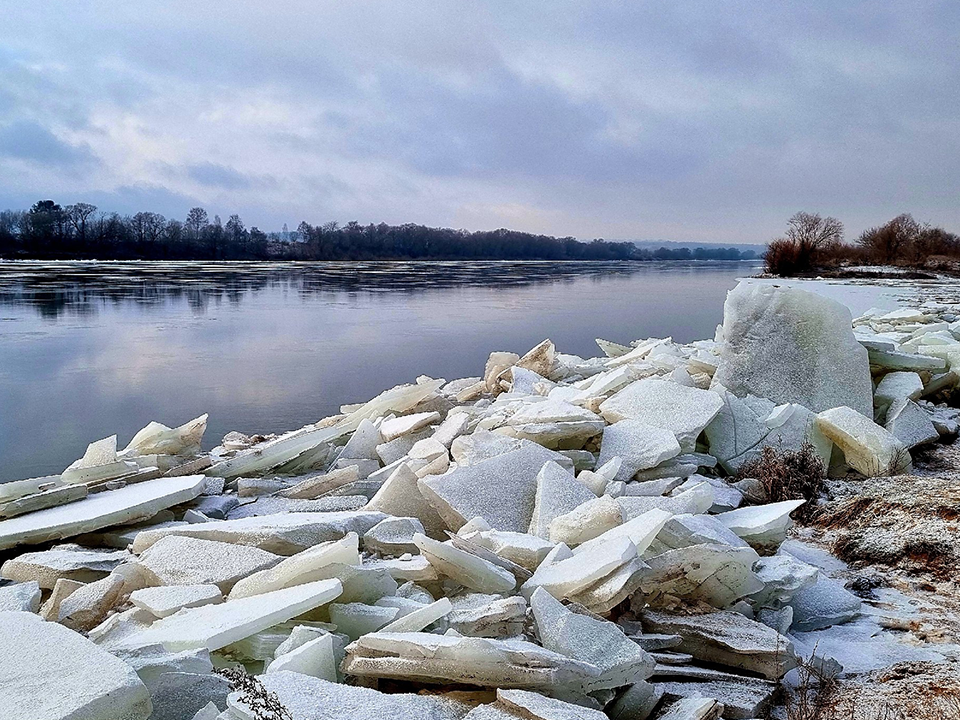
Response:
column 260, row 458
column 685, row 411
column 48, row 672
column 216, row 626
column 283, row 533
column 792, row 346
column 867, row 447
column 638, row 445
column 113, row 507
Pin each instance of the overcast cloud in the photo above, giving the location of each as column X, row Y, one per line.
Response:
column 710, row 121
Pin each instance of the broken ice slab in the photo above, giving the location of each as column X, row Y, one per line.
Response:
column 400, row 496
column 685, row 411
column 868, row 448
column 823, row 603
column 215, row 626
column 694, row 708
column 114, row 507
column 792, row 346
column 554, row 424
column 90, row 683
column 911, row 424
column 502, row 489
column 282, row 534
column 535, row 706
column 20, row 597
column 43, row 500
column 574, row 574
column 523, row 549
column 465, row 568
column 683, row 530
column 728, row 638
column 764, row 527
column 306, row 566
column 598, row 642
column 716, row 574
column 896, row 360
column 695, row 501
column 264, row 456
column 420, row 618
column 482, row 615
column 782, row 576
column 896, row 386
column 63, row 561
column 442, row 659
column 166, row 600
column 641, row 531
column 88, row 605
column 177, row 560
column 158, row 439
column 393, row 536
column 313, row 698
column 587, row 521
column 406, row 424
column 357, row 619
column 316, row 658
column 639, row 446
column 557, row 493
column 317, row 485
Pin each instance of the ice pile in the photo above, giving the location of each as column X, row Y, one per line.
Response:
column 561, row 535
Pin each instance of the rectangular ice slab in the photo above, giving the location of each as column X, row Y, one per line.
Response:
column 48, row 672
column 216, row 626
column 283, row 534
column 113, row 507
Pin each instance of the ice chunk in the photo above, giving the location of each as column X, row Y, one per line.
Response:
column 696, row 500
column 638, row 445
column 90, row 683
column 363, row 443
column 535, row 706
column 792, row 346
column 764, row 527
column 641, row 531
column 400, row 496
column 568, row 577
column 911, row 424
column 177, row 696
column 21, row 597
column 315, row 658
column 527, row 551
column 584, row 638
column 406, row 424
column 694, row 708
column 419, row 619
column 158, row 439
column 782, row 576
column 502, row 489
column 821, row 604
column 480, row 615
column 897, row 386
column 215, row 626
column 728, row 638
column 555, row 423
column 87, row 606
column 443, row 659
column 164, row 601
column 586, row 521
column 868, row 448
column 71, row 562
column 304, row 567
column 282, row 534
column 191, row 561
column 316, row 486
column 113, row 507
column 42, row 500
column 393, row 536
column 715, row 574
column 465, row 568
column 685, row 411
column 558, row 492
column 683, row 530
column 356, row 619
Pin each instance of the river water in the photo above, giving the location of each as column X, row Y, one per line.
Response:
column 89, row 349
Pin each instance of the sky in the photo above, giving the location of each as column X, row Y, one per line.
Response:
column 690, row 121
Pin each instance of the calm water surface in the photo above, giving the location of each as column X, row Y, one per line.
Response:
column 92, row 349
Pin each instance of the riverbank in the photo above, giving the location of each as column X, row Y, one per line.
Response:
column 583, row 537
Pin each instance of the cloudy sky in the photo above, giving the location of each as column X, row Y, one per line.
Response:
column 702, row 121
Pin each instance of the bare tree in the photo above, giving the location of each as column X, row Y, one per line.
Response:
column 811, row 232
column 79, row 215
column 891, row 241
column 197, row 220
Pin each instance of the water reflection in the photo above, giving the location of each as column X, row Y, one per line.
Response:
column 92, row 349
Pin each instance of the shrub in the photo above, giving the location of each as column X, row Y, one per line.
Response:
column 787, row 475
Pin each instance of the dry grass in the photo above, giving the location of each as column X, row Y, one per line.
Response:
column 798, row 475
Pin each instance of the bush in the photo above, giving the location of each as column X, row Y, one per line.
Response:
column 789, row 475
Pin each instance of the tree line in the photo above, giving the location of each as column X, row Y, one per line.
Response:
column 814, row 243
column 51, row 231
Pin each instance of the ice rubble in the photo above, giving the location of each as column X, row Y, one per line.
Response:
column 531, row 533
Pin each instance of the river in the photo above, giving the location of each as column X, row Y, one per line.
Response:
column 89, row 349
